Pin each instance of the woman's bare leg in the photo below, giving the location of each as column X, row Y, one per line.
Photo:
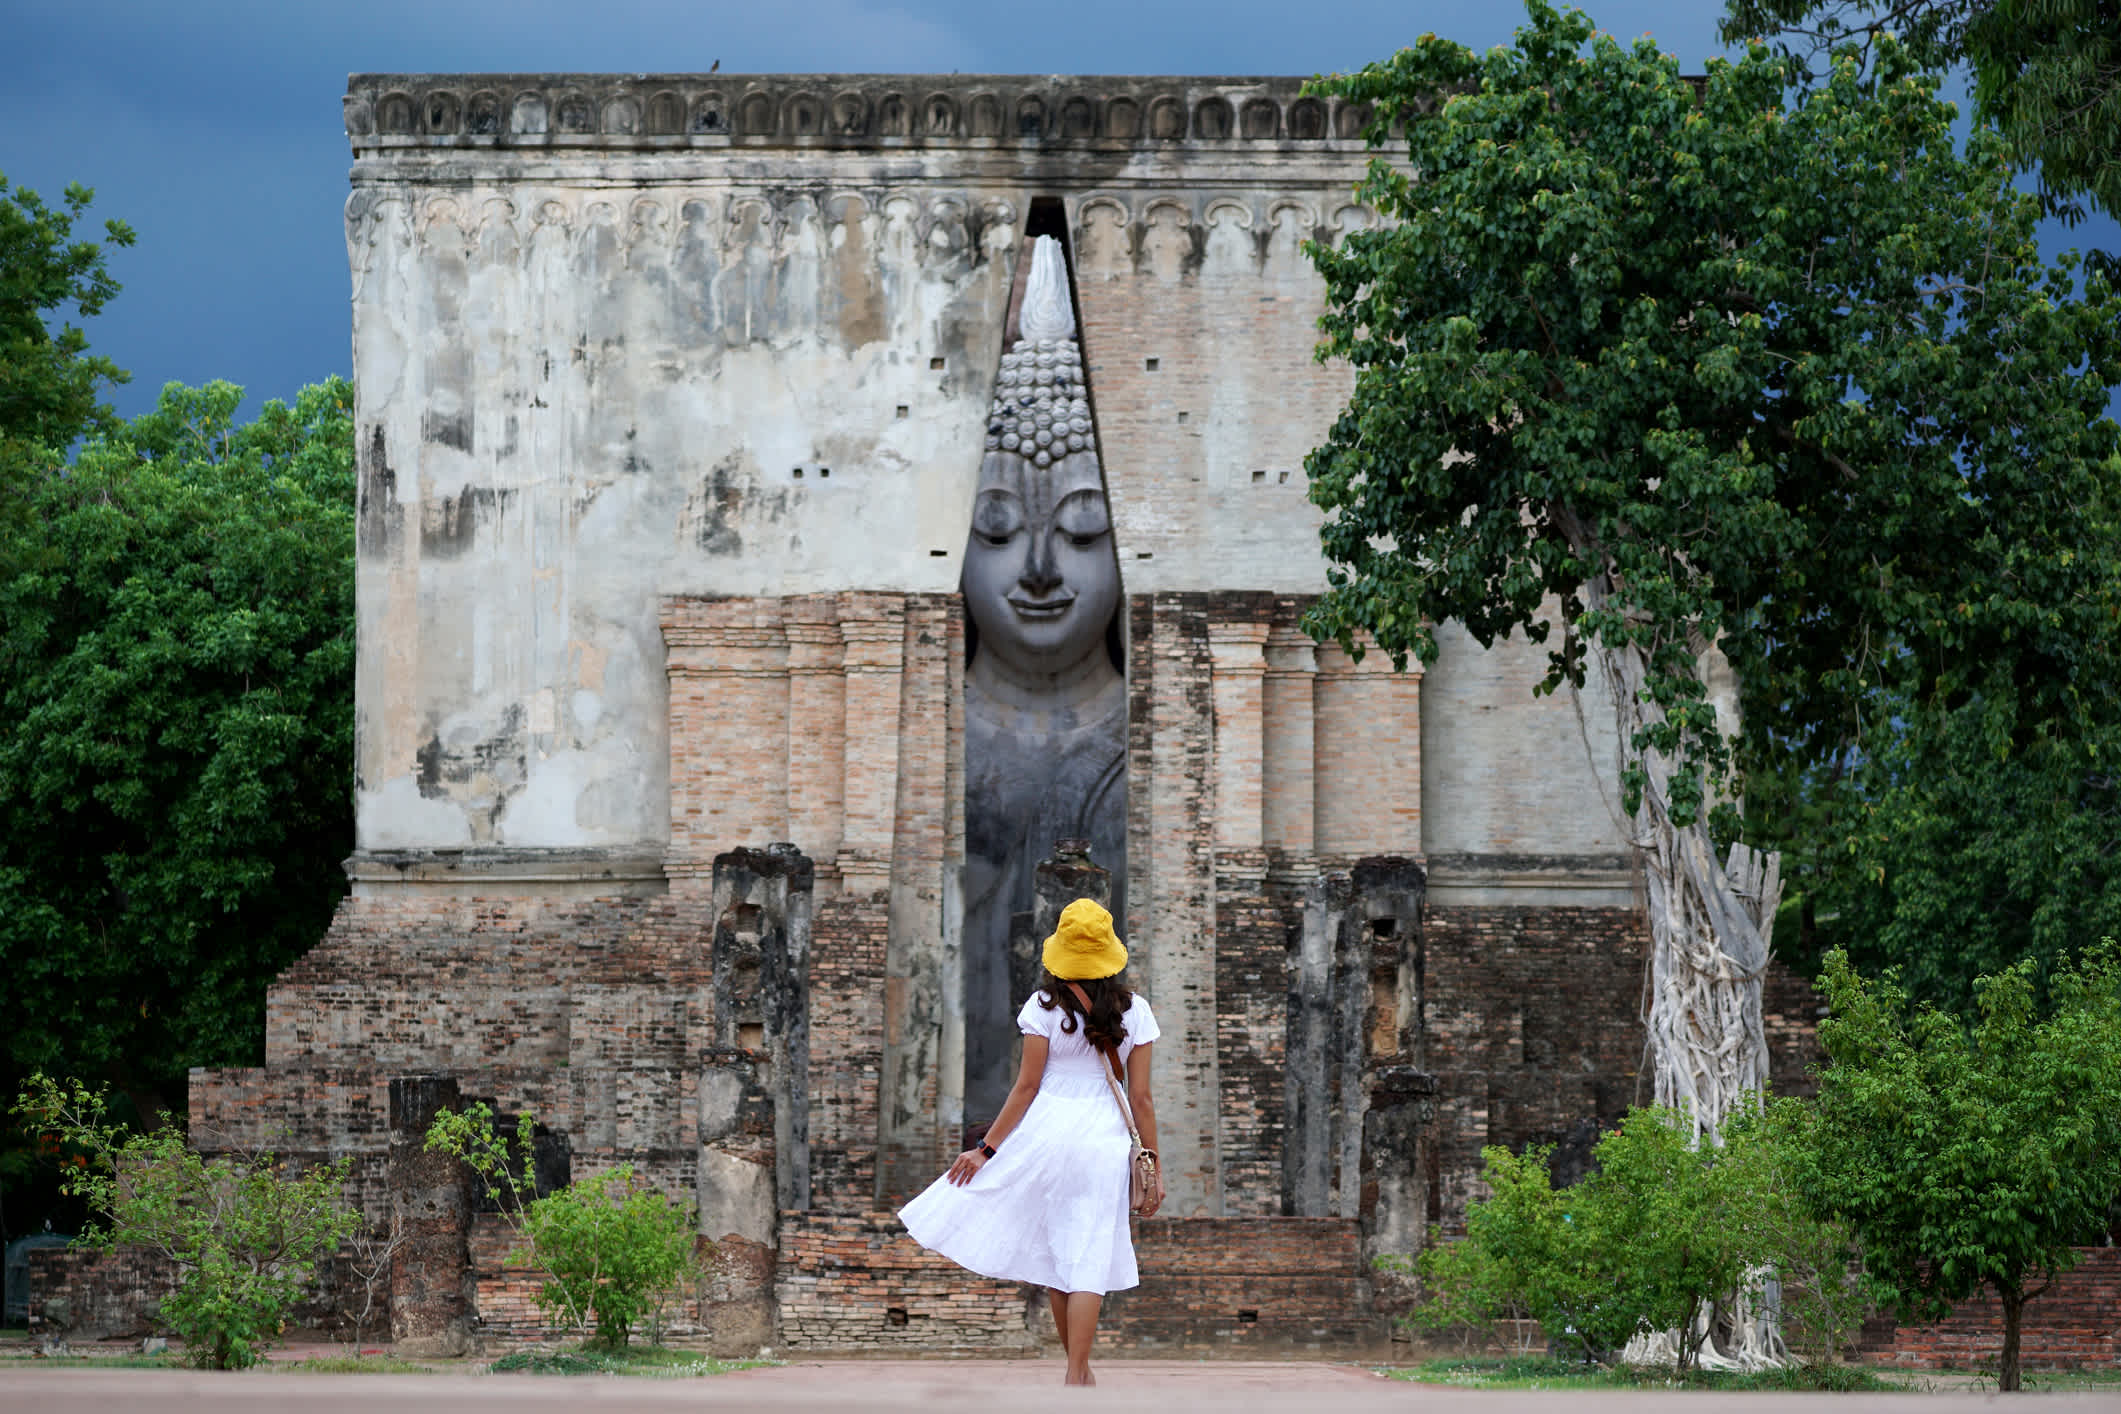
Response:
column 1082, row 1333
column 1058, row 1300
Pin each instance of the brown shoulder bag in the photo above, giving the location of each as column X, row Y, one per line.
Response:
column 1141, row 1162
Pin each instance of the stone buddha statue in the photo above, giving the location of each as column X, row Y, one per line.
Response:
column 1045, row 698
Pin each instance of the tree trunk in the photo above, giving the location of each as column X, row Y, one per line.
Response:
column 1710, row 926
column 1709, row 922
column 2013, row 1316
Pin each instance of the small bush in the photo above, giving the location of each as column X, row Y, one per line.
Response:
column 1660, row 1234
column 614, row 1249
column 243, row 1233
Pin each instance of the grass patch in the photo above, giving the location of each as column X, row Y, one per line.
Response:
column 2104, row 1377
column 1547, row 1372
column 654, row 1361
column 359, row 1365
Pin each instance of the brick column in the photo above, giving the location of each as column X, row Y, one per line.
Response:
column 1367, row 786
column 1288, row 775
column 873, row 628
column 817, row 732
column 431, row 1285
column 728, row 667
column 1240, row 742
column 1249, row 988
column 1171, row 883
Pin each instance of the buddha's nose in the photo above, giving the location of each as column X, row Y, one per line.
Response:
column 1040, row 576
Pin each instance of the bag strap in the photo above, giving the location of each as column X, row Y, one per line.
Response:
column 1120, row 1095
column 1111, row 1072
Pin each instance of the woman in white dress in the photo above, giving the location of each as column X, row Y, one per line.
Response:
column 1043, row 1198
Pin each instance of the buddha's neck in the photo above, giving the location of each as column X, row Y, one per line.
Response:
column 1077, row 685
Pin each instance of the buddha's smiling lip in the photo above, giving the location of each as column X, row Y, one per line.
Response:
column 1041, row 608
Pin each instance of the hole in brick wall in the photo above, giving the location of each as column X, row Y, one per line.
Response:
column 824, row 471
column 1181, row 417
column 1384, row 927
column 938, row 554
column 1151, row 554
column 1149, row 364
column 894, row 1315
column 1258, row 477
column 1248, row 1318
column 935, row 364
column 798, row 473
column 903, row 410
column 751, row 1035
column 1281, row 476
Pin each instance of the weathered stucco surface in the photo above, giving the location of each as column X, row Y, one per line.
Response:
column 624, row 338
column 672, row 403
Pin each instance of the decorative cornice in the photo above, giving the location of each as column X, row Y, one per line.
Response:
column 653, row 111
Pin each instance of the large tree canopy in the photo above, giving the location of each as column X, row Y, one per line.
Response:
column 1752, row 366
column 1792, row 376
column 50, row 385
column 2047, row 73
column 176, row 724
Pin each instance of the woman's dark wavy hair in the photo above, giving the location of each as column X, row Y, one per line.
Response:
column 1103, row 1026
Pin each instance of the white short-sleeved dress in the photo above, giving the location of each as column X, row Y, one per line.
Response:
column 1051, row 1206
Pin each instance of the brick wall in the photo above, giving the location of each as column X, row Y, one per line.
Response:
column 856, row 1281
column 1226, row 1286
column 1533, row 1029
column 2075, row 1324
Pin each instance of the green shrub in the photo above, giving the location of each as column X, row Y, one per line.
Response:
column 243, row 1233
column 613, row 1248
column 1658, row 1235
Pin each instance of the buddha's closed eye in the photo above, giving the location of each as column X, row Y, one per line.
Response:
column 1082, row 517
column 997, row 519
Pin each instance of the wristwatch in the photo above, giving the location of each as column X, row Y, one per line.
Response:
column 986, row 1149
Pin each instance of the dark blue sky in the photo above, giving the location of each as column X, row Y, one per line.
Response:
column 213, row 125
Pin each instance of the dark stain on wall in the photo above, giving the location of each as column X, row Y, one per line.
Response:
column 728, row 493
column 720, row 500
column 448, row 526
column 453, row 430
column 378, row 516
column 497, row 763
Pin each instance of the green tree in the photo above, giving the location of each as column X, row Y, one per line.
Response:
column 243, row 1234
column 1964, row 1157
column 176, row 722
column 2046, row 73
column 1752, row 368
column 1659, row 1237
column 1951, row 851
column 50, row 385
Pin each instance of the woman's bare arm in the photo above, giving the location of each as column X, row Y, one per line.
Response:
column 1144, row 1117
column 1021, row 1094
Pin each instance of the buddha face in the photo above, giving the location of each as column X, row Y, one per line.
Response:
column 1040, row 582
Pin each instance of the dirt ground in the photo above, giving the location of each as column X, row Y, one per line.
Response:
column 931, row 1386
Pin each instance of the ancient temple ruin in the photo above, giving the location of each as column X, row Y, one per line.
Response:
column 788, row 507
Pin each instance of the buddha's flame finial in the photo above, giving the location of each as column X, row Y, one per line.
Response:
column 1047, row 313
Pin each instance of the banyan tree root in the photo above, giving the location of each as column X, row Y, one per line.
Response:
column 1710, row 925
column 1710, row 929
column 1744, row 1337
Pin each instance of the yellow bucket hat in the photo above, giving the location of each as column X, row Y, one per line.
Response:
column 1083, row 946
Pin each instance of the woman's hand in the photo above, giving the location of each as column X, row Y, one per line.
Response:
column 968, row 1163
column 1156, row 1199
